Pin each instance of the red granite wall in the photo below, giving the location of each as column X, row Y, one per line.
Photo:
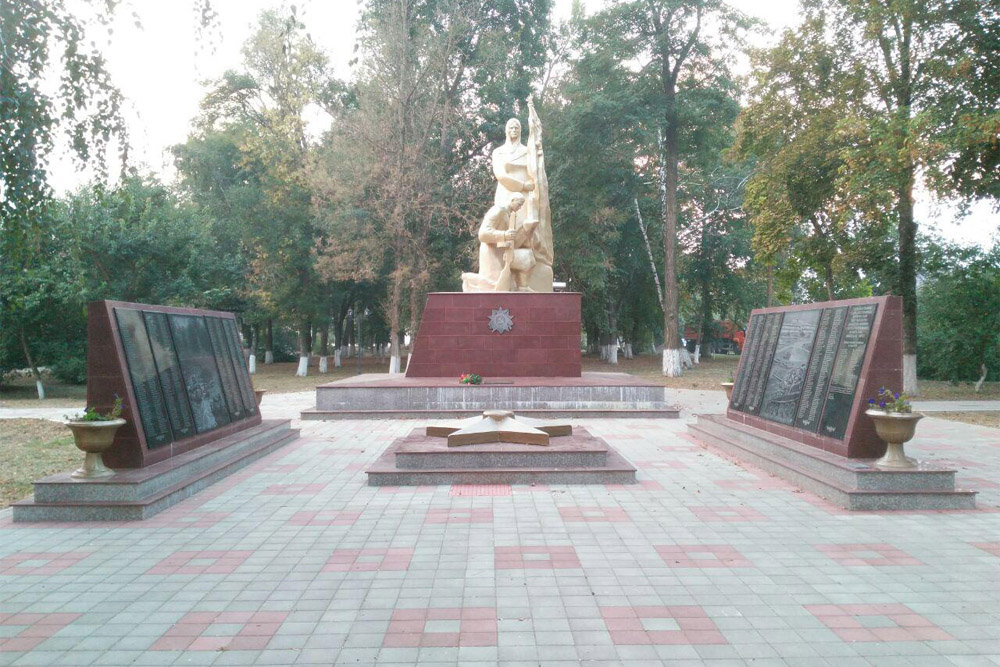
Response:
column 455, row 338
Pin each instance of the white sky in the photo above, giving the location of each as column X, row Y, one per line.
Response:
column 160, row 71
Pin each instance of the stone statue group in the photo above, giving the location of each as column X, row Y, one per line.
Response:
column 515, row 238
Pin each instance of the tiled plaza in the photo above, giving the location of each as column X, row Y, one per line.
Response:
column 295, row 561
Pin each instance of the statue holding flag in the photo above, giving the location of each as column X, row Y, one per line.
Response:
column 516, row 235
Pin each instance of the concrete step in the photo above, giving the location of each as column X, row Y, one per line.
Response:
column 849, row 473
column 853, row 485
column 538, row 413
column 501, row 457
column 142, row 493
column 616, row 470
column 579, row 458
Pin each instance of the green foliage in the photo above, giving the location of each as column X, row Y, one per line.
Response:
column 92, row 415
column 470, row 378
column 138, row 242
column 959, row 318
column 45, row 43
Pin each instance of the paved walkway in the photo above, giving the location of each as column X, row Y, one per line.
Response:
column 956, row 406
column 295, row 561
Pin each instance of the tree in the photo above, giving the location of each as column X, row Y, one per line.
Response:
column 675, row 56
column 914, row 55
column 41, row 41
column 263, row 112
column 803, row 88
column 960, row 312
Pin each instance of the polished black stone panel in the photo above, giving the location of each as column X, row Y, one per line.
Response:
column 814, row 387
column 751, row 350
column 169, row 371
column 788, row 369
column 758, row 380
column 239, row 366
column 847, row 370
column 145, row 382
column 200, row 371
column 220, row 348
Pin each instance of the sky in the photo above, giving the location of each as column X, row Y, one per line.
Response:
column 161, row 68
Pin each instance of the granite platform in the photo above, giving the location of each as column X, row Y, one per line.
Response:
column 135, row 494
column 593, row 395
column 854, row 484
column 419, row 460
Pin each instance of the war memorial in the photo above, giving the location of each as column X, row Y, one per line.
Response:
column 548, row 516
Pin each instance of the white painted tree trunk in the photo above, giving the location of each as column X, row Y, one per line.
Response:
column 628, row 351
column 611, row 353
column 336, row 358
column 672, row 363
column 910, row 386
column 394, row 364
column 697, row 353
column 268, row 357
column 41, row 390
column 323, row 365
column 686, row 358
column 252, row 364
column 303, row 369
column 982, row 378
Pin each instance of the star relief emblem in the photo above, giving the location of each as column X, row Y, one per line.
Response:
column 501, row 321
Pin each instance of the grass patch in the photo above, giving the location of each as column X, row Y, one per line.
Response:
column 708, row 374
column 942, row 390
column 21, row 393
column 31, row 449
column 990, row 419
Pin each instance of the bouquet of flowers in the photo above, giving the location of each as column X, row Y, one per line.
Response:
column 889, row 401
column 470, row 378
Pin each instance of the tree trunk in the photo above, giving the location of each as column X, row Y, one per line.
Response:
column 770, row 285
column 269, row 342
column 668, row 193
column 324, row 346
column 39, row 387
column 305, row 349
column 252, row 361
column 649, row 250
column 908, row 283
column 395, row 302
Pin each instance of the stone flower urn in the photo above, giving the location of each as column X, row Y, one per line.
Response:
column 728, row 386
column 258, row 395
column 94, row 438
column 895, row 428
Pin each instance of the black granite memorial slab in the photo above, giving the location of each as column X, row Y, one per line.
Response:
column 751, row 350
column 847, row 370
column 200, row 372
column 169, row 369
column 758, row 379
column 788, row 369
column 810, row 409
column 145, row 381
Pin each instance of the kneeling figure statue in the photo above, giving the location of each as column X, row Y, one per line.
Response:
column 515, row 251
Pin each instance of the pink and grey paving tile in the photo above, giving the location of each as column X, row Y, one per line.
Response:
column 295, row 561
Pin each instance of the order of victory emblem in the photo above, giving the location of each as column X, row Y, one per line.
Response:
column 501, row 321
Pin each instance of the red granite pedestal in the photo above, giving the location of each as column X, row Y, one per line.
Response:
column 455, row 336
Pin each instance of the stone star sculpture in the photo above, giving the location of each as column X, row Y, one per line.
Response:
column 498, row 426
